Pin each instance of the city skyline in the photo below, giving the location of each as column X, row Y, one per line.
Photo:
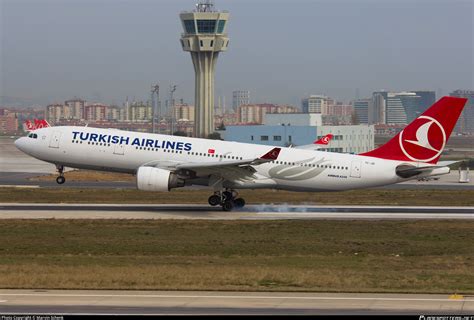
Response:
column 104, row 50
column 388, row 111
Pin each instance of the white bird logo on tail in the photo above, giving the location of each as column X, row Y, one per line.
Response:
column 422, row 139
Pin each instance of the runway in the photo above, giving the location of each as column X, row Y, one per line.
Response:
column 250, row 212
column 226, row 303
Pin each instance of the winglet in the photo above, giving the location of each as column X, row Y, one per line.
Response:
column 271, row 155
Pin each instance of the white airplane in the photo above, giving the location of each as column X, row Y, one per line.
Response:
column 163, row 162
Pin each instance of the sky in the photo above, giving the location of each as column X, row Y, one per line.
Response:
column 281, row 51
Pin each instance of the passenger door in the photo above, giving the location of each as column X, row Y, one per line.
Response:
column 119, row 149
column 355, row 169
column 55, row 138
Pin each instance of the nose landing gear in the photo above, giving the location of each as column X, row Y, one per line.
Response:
column 60, row 179
column 227, row 199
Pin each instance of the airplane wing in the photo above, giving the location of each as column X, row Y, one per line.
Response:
column 269, row 156
column 229, row 170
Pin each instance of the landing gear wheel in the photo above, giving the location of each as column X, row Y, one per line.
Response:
column 60, row 180
column 228, row 206
column 239, row 203
column 214, row 200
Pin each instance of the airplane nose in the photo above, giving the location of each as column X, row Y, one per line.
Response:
column 20, row 143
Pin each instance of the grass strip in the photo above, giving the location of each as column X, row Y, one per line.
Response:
column 421, row 197
column 333, row 256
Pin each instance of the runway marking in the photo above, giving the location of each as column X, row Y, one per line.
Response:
column 230, row 297
column 361, row 215
column 278, row 212
column 18, row 186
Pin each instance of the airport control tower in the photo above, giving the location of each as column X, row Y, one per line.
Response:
column 204, row 37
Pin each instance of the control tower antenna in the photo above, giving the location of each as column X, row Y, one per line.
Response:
column 204, row 37
column 205, row 6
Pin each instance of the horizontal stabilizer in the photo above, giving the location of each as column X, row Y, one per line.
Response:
column 448, row 163
column 407, row 171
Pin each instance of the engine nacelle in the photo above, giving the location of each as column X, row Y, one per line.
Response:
column 155, row 179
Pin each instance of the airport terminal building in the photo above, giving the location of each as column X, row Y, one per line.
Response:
column 300, row 129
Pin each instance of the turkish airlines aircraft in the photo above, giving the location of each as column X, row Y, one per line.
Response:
column 163, row 162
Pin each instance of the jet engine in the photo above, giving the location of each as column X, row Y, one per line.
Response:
column 155, row 179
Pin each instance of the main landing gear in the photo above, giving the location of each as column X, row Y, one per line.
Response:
column 227, row 199
column 60, row 179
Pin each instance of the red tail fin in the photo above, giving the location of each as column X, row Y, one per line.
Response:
column 41, row 124
column 324, row 140
column 424, row 139
column 29, row 126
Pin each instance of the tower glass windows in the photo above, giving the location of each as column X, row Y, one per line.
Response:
column 189, row 25
column 220, row 26
column 206, row 26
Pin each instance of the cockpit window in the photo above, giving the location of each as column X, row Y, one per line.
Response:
column 33, row 136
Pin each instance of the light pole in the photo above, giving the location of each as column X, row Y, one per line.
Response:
column 155, row 90
column 172, row 115
column 285, row 126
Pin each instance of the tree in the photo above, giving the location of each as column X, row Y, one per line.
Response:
column 180, row 134
column 221, row 127
column 214, row 136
